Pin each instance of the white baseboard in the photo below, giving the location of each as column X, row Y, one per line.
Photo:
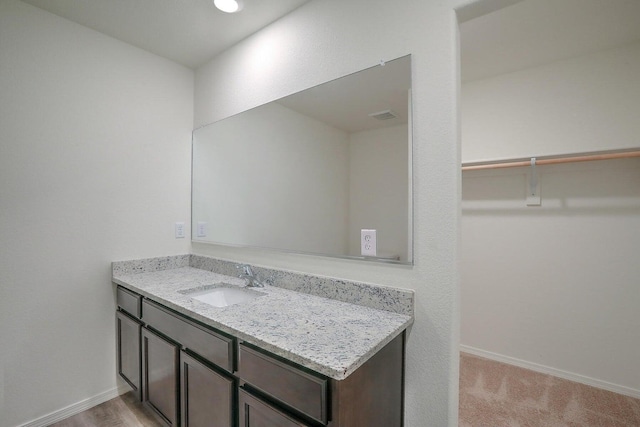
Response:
column 627, row 391
column 76, row 408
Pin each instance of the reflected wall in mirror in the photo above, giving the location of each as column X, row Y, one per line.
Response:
column 308, row 172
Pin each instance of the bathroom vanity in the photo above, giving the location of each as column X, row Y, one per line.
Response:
column 284, row 358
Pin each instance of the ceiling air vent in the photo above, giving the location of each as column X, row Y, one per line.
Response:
column 383, row 115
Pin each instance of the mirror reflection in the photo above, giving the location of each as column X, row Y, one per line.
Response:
column 307, row 173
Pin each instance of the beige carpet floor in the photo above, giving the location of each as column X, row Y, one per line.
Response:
column 494, row 394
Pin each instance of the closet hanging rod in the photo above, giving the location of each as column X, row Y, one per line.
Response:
column 553, row 161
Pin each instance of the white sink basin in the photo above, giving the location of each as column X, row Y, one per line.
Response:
column 225, row 295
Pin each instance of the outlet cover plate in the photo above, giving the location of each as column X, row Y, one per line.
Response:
column 368, row 242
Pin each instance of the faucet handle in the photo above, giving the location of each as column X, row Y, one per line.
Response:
column 252, row 279
column 247, row 270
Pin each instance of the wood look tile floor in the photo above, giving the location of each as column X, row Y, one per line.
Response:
column 492, row 394
column 123, row 411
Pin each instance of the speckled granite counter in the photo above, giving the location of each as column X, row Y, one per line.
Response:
column 328, row 336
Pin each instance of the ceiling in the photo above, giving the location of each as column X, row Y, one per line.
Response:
column 189, row 32
column 526, row 34
column 537, row 32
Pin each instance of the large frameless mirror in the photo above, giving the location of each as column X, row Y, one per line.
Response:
column 308, row 172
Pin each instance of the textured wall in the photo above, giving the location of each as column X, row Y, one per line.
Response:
column 94, row 166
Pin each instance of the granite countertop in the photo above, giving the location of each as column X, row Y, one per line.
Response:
column 328, row 336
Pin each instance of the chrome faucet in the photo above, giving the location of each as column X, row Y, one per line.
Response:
column 249, row 277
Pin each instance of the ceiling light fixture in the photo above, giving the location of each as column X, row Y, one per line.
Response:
column 228, row 6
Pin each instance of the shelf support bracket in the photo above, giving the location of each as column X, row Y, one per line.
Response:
column 533, row 186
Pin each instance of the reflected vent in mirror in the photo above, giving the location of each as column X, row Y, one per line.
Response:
column 383, row 115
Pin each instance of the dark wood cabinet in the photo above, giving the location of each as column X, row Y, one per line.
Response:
column 371, row 396
column 160, row 380
column 207, row 395
column 192, row 375
column 255, row 412
column 128, row 350
column 374, row 394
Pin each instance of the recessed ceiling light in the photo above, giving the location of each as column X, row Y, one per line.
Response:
column 229, row 6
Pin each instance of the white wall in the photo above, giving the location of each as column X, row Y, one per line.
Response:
column 94, row 167
column 555, row 287
column 272, row 177
column 324, row 40
column 582, row 104
column 378, row 168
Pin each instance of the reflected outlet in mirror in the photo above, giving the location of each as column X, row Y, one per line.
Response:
column 308, row 172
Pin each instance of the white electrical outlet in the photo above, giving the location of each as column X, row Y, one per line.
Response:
column 179, row 230
column 201, row 229
column 368, row 243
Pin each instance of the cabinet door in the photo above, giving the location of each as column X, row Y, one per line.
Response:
column 160, row 379
column 257, row 413
column 128, row 348
column 207, row 396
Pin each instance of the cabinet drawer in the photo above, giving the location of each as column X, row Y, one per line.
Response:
column 214, row 347
column 129, row 301
column 255, row 412
column 292, row 386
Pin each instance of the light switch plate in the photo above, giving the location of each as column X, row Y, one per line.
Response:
column 201, row 229
column 179, row 230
